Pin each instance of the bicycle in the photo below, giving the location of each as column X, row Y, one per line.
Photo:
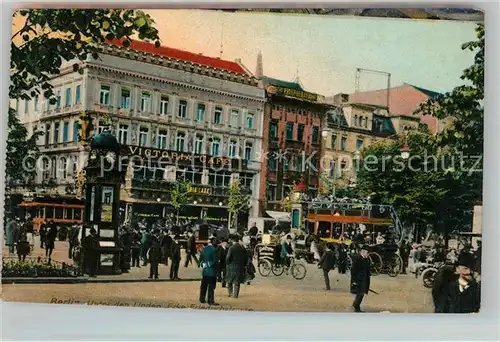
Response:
column 298, row 270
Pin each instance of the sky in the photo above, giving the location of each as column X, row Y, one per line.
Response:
column 324, row 50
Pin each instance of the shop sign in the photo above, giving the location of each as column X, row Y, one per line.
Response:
column 177, row 157
column 199, row 190
column 298, row 94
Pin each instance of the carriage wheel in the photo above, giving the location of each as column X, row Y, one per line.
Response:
column 278, row 269
column 428, row 277
column 264, row 268
column 375, row 263
column 299, row 271
column 395, row 266
column 256, row 250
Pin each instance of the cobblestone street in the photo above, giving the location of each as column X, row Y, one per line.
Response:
column 401, row 294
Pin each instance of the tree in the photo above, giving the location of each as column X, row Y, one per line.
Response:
column 49, row 37
column 238, row 201
column 336, row 186
column 462, row 139
column 22, row 153
column 179, row 196
column 288, row 201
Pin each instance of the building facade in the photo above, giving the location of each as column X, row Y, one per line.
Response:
column 178, row 115
column 291, row 140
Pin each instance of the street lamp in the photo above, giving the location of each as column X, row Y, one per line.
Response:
column 220, row 204
column 405, row 151
column 158, row 199
column 195, row 202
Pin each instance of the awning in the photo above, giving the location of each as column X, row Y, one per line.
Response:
column 279, row 215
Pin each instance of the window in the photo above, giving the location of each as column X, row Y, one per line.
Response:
column 273, row 130
column 235, row 118
column 271, row 193
column 63, row 163
column 145, row 102
column 299, row 164
column 250, row 120
column 233, row 145
column 76, row 128
column 65, row 132
column 216, row 147
column 355, row 120
column 271, row 162
column 143, row 136
column 332, row 168
column 164, row 105
column 17, row 106
column 102, row 127
column 289, row 131
column 366, row 122
column 77, row 94
column 47, row 134
column 26, row 104
column 300, row 132
column 218, row 115
column 286, row 165
column 333, row 141
column 361, row 121
column 36, row 102
column 58, row 99
column 123, row 134
column 180, row 141
column 315, row 135
column 343, row 143
column 56, row 132
column 162, row 139
column 125, row 99
column 104, row 95
column 46, row 169
column 198, row 144
column 182, row 110
column 200, row 112
column 359, row 144
column 248, row 151
column 67, row 97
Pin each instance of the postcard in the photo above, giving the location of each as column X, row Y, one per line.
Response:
column 310, row 160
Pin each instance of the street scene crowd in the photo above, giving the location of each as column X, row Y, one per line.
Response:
column 231, row 259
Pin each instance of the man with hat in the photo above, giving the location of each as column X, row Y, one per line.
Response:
column 221, row 251
column 327, row 263
column 208, row 261
column 236, row 260
column 463, row 293
column 360, row 278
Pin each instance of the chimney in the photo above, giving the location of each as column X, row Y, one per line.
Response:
column 259, row 72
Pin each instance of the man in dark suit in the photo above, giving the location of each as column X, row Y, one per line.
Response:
column 90, row 246
column 191, row 250
column 360, row 278
column 236, row 260
column 463, row 293
column 327, row 263
column 221, row 252
column 166, row 244
column 154, row 257
column 175, row 256
column 208, row 261
column 73, row 239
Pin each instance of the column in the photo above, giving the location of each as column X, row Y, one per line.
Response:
column 135, row 99
column 174, row 99
column 191, row 110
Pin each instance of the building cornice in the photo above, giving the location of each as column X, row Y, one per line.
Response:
column 172, row 82
column 178, row 64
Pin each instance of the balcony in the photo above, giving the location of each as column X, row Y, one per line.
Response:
column 60, row 146
column 274, row 143
column 294, row 145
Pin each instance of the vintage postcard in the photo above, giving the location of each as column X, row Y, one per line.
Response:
column 325, row 160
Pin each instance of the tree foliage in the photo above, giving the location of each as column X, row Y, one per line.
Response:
column 22, row 152
column 49, row 37
column 238, row 199
column 179, row 196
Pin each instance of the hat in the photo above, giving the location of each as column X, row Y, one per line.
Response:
column 467, row 260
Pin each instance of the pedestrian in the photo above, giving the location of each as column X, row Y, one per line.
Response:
column 463, row 293
column 43, row 233
column 154, row 257
column 221, row 262
column 50, row 239
column 443, row 278
column 23, row 246
column 360, row 278
column 208, row 260
column 236, row 261
column 145, row 245
column 73, row 239
column 136, row 250
column 175, row 256
column 404, row 252
column 166, row 245
column 90, row 246
column 191, row 250
column 343, row 254
column 30, row 233
column 327, row 263
column 10, row 233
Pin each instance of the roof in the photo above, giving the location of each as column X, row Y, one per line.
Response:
column 281, row 83
column 427, row 92
column 182, row 55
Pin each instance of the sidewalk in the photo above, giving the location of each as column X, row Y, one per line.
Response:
column 60, row 254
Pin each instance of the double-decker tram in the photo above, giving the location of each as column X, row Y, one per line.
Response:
column 339, row 222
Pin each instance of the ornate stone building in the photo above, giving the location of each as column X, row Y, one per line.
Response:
column 177, row 114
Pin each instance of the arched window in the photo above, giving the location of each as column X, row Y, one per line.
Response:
column 63, row 164
column 361, row 121
column 355, row 120
column 53, row 168
column 366, row 122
